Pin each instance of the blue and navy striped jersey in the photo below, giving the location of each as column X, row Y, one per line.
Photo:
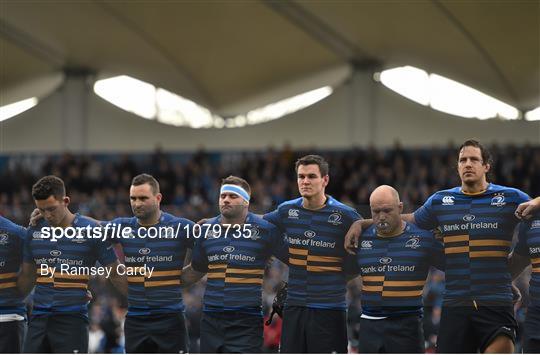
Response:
column 529, row 245
column 478, row 231
column 11, row 251
column 235, row 266
column 62, row 292
column 316, row 253
column 162, row 292
column 394, row 270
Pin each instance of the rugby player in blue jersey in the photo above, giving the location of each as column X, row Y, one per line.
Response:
column 477, row 220
column 314, row 317
column 154, row 241
column 12, row 308
column 59, row 320
column 159, row 242
column 527, row 251
column 393, row 259
column 233, row 251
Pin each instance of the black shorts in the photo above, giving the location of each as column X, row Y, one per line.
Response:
column 11, row 336
column 403, row 334
column 57, row 333
column 531, row 333
column 156, row 333
column 313, row 330
column 470, row 328
column 231, row 332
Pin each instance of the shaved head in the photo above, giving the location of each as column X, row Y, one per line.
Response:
column 386, row 210
column 384, row 194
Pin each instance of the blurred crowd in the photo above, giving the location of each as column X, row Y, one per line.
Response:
column 99, row 187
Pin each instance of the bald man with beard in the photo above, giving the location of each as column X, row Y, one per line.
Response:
column 393, row 260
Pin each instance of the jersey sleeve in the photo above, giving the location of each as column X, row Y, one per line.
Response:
column 199, row 261
column 424, row 217
column 104, row 250
column 436, row 254
column 273, row 217
column 185, row 229
column 350, row 265
column 27, row 249
column 278, row 245
column 521, row 246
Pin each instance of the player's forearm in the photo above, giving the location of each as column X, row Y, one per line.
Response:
column 119, row 281
column 408, row 217
column 516, row 264
column 26, row 279
column 190, row 276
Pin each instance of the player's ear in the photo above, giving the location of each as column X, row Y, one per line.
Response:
column 400, row 207
column 487, row 167
column 326, row 179
column 66, row 200
column 159, row 196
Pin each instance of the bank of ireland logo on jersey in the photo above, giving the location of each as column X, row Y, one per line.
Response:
column 413, row 242
column 535, row 224
column 4, row 239
column 498, row 200
column 335, row 218
column 310, row 234
column 293, row 213
column 144, row 251
column 448, row 201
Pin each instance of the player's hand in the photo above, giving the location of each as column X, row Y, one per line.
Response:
column 352, row 236
column 202, row 221
column 526, row 209
column 35, row 217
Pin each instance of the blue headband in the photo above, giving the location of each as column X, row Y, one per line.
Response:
column 235, row 189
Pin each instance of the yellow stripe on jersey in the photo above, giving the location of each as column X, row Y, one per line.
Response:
column 8, row 285
column 8, row 275
column 456, row 238
column 161, row 283
column 456, row 250
column 402, row 293
column 372, row 278
column 316, row 268
column 490, row 242
column 326, row 259
column 246, row 271
column 488, row 254
column 372, row 288
column 404, row 283
column 216, row 275
column 297, row 262
column 298, row 251
column 242, row 280
column 166, row 273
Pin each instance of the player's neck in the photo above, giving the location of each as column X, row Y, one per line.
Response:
column 150, row 221
column 235, row 220
column 474, row 188
column 67, row 220
column 314, row 202
column 395, row 232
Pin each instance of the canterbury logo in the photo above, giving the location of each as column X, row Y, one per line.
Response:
column 448, row 200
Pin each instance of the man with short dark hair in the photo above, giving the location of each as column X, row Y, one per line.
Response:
column 59, row 320
column 12, row 308
column 477, row 220
column 160, row 242
column 233, row 251
column 314, row 318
